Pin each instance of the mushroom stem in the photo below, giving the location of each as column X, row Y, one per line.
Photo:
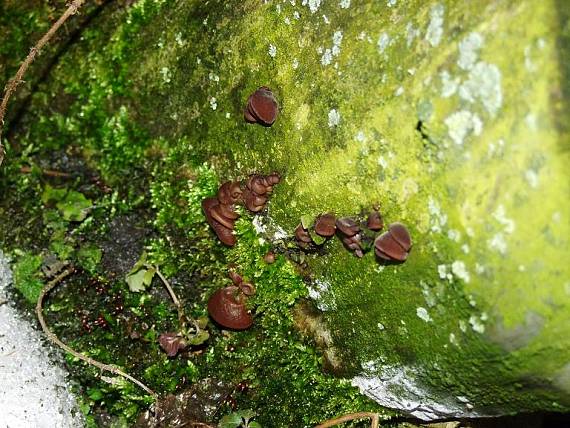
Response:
column 54, row 339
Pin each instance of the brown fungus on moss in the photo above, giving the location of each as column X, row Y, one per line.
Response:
column 257, row 190
column 395, row 244
column 375, row 221
column 302, row 236
column 347, row 226
column 354, row 243
column 262, row 107
column 227, row 307
column 325, row 225
column 224, row 233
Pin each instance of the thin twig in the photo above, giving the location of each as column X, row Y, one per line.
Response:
column 172, row 294
column 53, row 338
column 47, row 172
column 13, row 83
column 374, row 423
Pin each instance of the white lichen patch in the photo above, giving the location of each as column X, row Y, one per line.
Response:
column 328, row 54
column 454, row 235
column 449, row 85
column 435, row 28
column 460, row 271
column 423, row 314
column 383, row 42
column 453, row 339
column 272, row 50
column 469, row 50
column 326, row 59
column 531, row 176
column 391, row 3
column 313, row 5
column 334, row 118
column 344, row 4
column 411, row 34
column 320, row 292
column 166, row 74
column 477, row 324
column 437, row 218
column 498, row 243
column 444, row 273
column 484, row 85
column 462, row 123
column 213, row 103
column 500, row 215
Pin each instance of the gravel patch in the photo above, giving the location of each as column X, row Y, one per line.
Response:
column 34, row 390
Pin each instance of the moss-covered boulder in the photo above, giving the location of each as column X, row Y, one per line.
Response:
column 449, row 115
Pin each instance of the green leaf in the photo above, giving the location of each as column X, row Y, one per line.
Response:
column 74, row 207
column 317, row 239
column 136, row 281
column 233, row 420
column 51, row 194
column 141, row 262
column 95, row 394
column 199, row 338
column 306, row 221
column 247, row 414
column 202, row 322
column 149, row 274
column 89, row 257
column 254, row 424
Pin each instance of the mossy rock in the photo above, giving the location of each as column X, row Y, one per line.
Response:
column 449, row 115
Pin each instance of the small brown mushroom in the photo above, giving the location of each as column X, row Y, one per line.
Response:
column 400, row 233
column 302, row 235
column 347, row 226
column 269, row 258
column 353, row 243
column 395, row 244
column 227, row 307
column 235, row 277
column 375, row 221
column 325, row 225
column 247, row 288
column 216, row 213
column 224, row 233
column 262, row 107
column 230, row 193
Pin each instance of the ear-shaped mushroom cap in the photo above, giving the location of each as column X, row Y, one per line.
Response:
column 224, row 234
column 400, row 233
column 347, row 226
column 263, row 106
column 325, row 225
column 227, row 307
column 375, row 221
column 394, row 244
column 302, row 235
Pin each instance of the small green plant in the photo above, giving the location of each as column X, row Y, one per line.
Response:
column 191, row 332
column 239, row 419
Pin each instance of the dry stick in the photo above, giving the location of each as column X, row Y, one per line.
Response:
column 53, row 338
column 360, row 415
column 181, row 316
column 47, row 172
column 13, row 83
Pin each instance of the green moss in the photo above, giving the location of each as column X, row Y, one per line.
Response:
column 27, row 276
